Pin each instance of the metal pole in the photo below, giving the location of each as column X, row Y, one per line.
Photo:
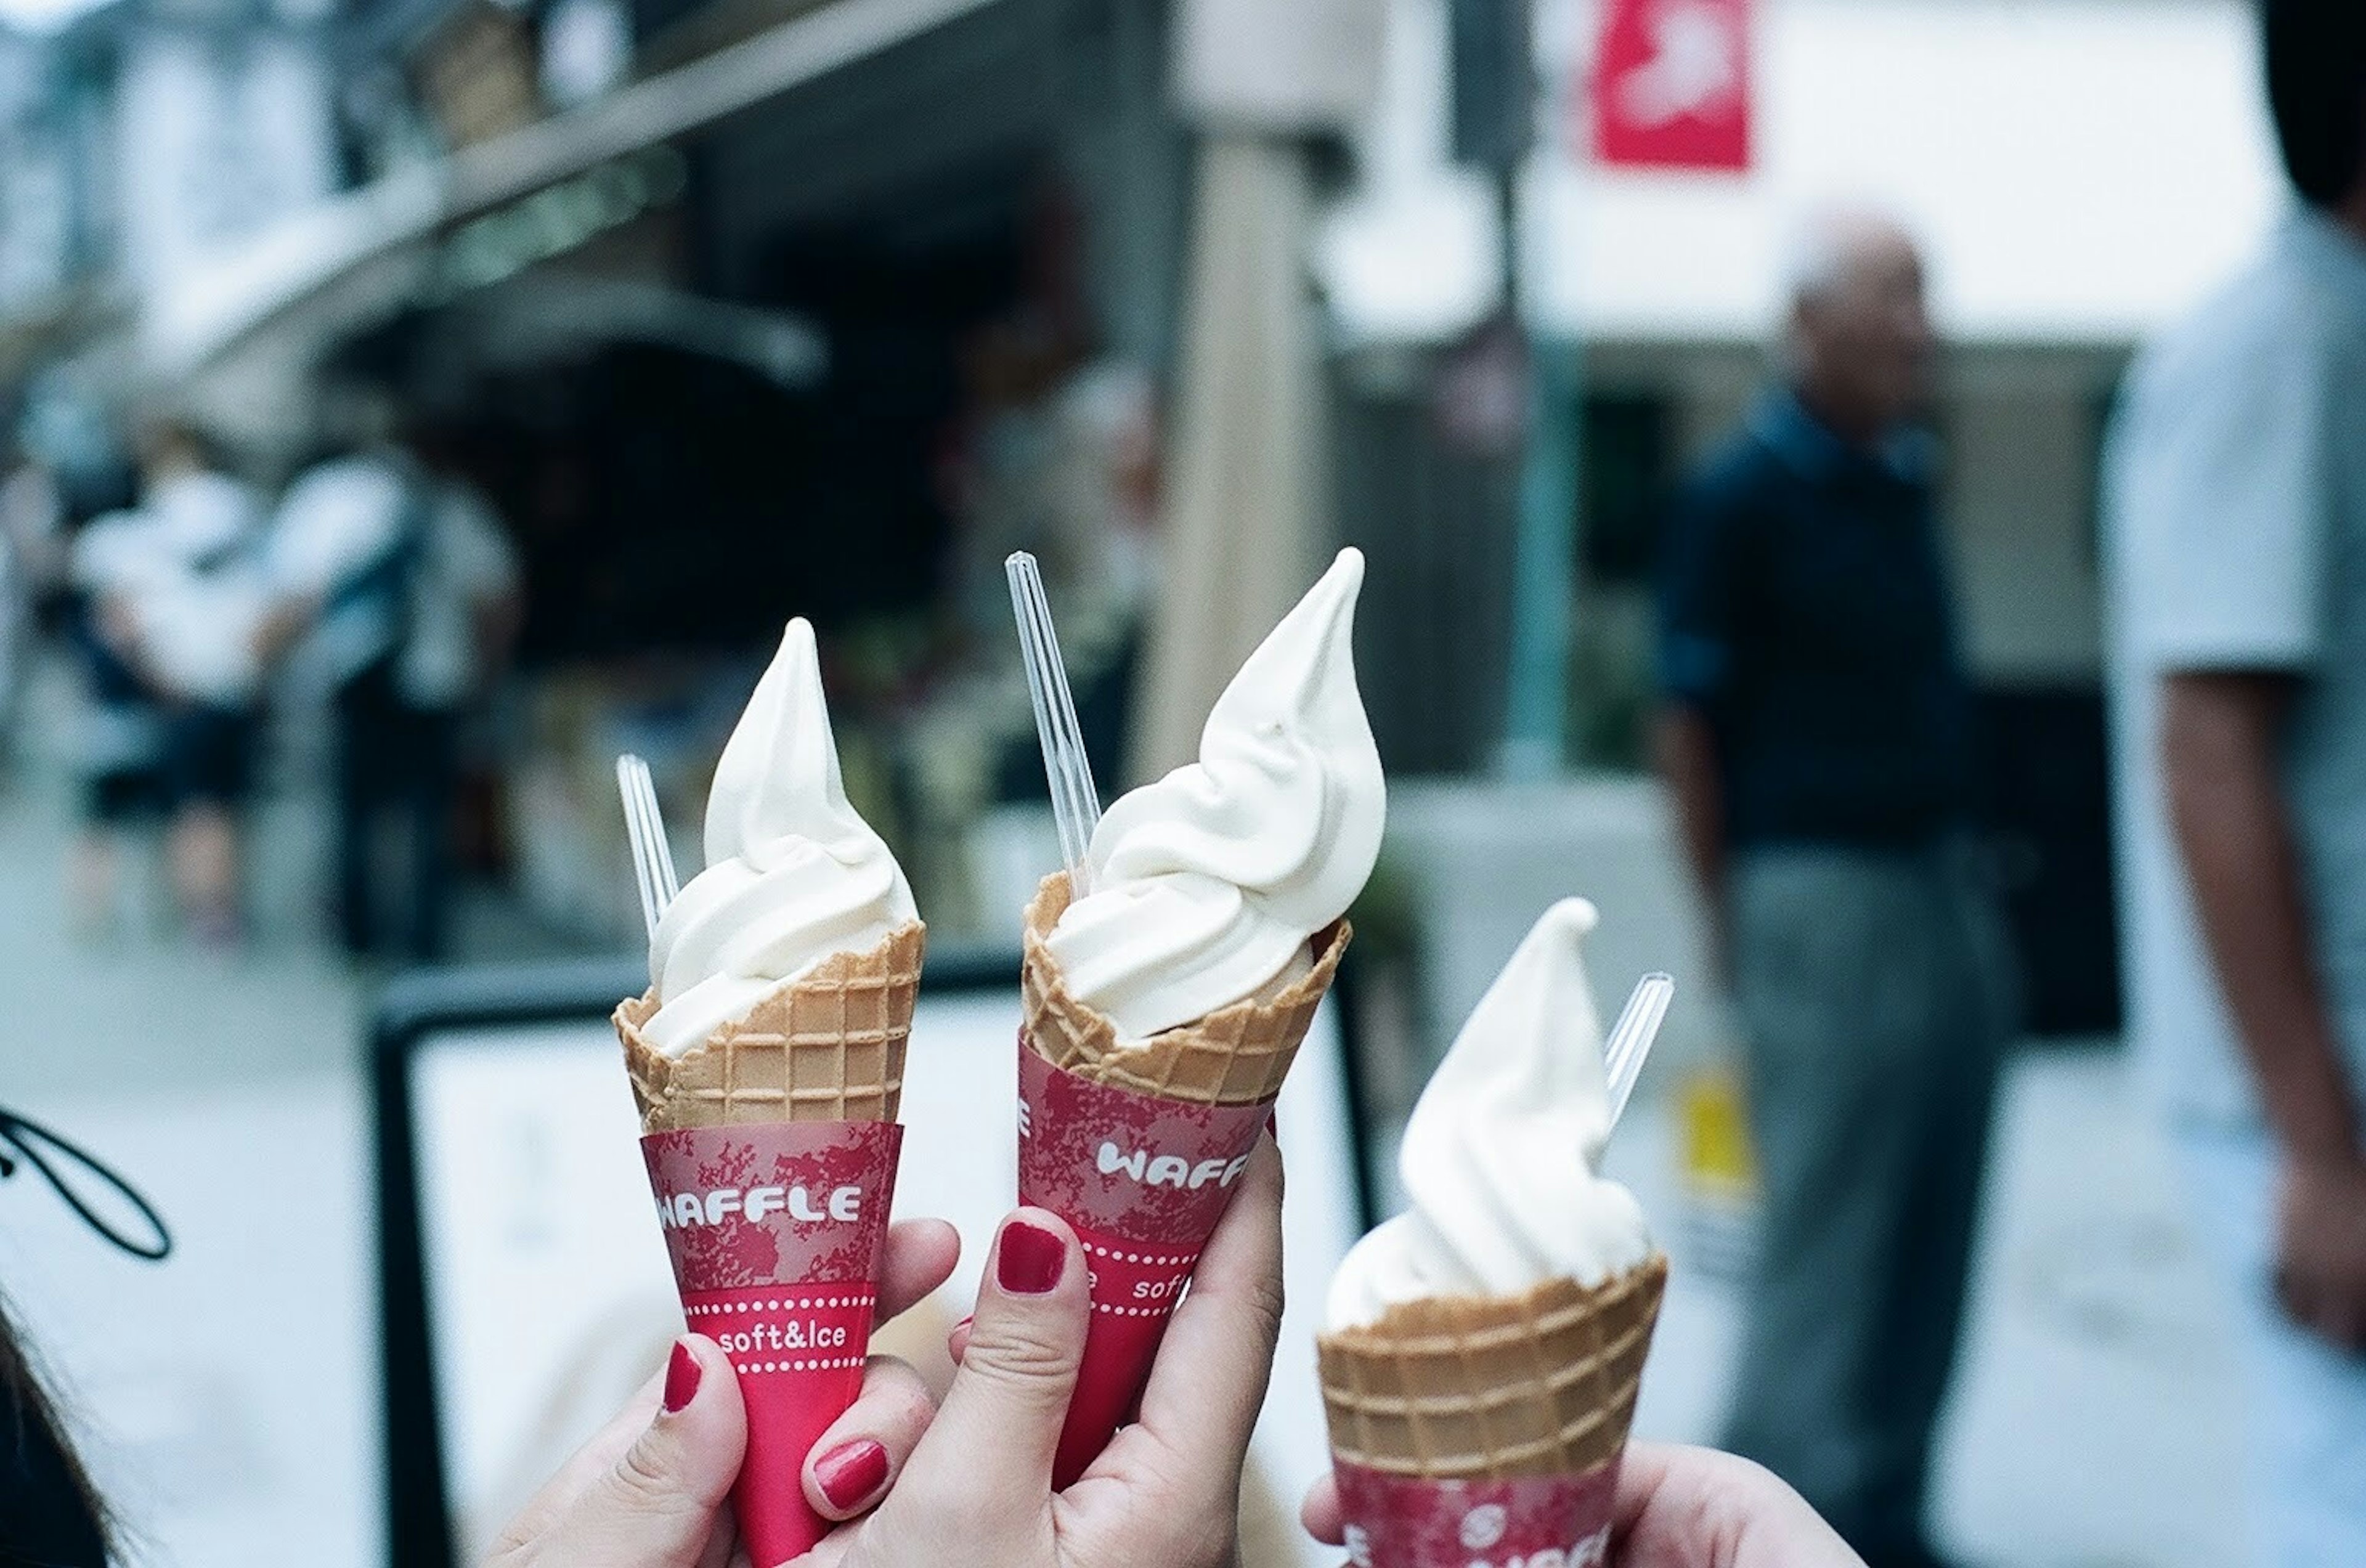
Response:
column 1494, row 115
column 1535, row 718
column 1544, row 576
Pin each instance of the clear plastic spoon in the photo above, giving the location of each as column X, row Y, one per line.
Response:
column 1075, row 804
column 1631, row 1037
column 645, row 825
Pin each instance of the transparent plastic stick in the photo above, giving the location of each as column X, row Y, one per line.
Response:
column 1075, row 804
column 645, row 825
column 1631, row 1036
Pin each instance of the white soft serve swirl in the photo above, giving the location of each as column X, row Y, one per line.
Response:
column 793, row 875
column 1502, row 1154
column 1207, row 884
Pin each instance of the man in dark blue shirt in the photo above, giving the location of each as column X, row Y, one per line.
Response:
column 1817, row 746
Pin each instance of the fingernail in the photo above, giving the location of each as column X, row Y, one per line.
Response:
column 682, row 1373
column 851, row 1472
column 1031, row 1259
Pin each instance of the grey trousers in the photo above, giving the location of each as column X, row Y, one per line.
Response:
column 1878, row 991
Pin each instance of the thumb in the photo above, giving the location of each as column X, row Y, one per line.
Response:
column 657, row 1505
column 993, row 1439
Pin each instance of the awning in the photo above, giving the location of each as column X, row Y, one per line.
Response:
column 2081, row 171
column 225, row 334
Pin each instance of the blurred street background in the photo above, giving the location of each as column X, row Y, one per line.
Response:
column 408, row 405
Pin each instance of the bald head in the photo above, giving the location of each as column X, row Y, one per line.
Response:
column 1860, row 345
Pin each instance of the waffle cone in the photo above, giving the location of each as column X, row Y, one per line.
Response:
column 1494, row 1387
column 1235, row 1056
column 828, row 1048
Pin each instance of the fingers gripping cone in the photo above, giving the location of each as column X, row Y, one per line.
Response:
column 1139, row 1147
column 1474, row 1428
column 772, row 1149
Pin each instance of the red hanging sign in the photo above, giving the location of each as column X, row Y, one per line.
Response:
column 1671, row 87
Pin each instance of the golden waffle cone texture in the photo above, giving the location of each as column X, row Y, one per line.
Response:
column 1494, row 1387
column 828, row 1048
column 1235, row 1056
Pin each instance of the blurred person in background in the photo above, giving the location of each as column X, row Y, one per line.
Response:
column 172, row 598
column 193, row 633
column 32, row 560
column 117, row 738
column 2237, row 485
column 405, row 582
column 1817, row 744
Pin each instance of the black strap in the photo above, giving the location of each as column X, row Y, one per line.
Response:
column 37, row 1146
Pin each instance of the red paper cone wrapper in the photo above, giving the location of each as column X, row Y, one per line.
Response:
column 776, row 1232
column 1144, row 1181
column 1529, row 1521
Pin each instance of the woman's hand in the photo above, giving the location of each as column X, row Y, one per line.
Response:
column 649, row 1490
column 1681, row 1508
column 1165, row 1493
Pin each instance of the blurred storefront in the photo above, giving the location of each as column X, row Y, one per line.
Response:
column 145, row 139
column 735, row 306
column 820, row 308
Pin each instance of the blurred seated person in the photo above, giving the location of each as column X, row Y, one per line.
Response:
column 1818, row 745
column 399, row 578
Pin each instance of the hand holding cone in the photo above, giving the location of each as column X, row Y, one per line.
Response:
column 1138, row 1148
column 767, row 1062
column 1162, row 1011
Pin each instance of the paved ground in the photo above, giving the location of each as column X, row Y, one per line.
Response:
column 2094, row 1421
column 228, row 1394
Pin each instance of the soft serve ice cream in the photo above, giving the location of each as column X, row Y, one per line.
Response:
column 1206, row 885
column 1162, row 1010
column 767, row 1062
column 1501, row 1156
column 1484, row 1351
column 794, row 875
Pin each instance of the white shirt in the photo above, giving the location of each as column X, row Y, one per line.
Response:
column 187, row 563
column 341, row 520
column 333, row 522
column 465, row 563
column 2236, row 527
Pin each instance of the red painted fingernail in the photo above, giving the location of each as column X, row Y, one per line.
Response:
column 682, row 1373
column 1031, row 1259
column 851, row 1472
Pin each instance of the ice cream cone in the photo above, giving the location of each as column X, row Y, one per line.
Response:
column 1138, row 1146
column 829, row 1047
column 1494, row 1388
column 1237, row 1055
column 772, row 1148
